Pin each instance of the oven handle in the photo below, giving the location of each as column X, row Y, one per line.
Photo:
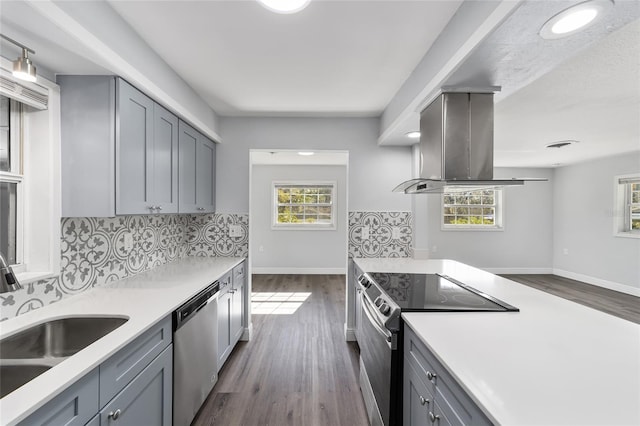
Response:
column 373, row 321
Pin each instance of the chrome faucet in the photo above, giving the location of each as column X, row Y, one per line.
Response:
column 8, row 280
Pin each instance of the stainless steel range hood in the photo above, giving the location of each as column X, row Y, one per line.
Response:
column 456, row 145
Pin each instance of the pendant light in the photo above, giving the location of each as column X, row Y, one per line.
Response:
column 23, row 68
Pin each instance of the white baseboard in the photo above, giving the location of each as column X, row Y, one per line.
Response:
column 622, row 288
column 246, row 334
column 500, row 271
column 299, row 271
column 349, row 334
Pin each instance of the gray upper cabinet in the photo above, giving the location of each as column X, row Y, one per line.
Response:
column 146, row 154
column 196, row 171
column 119, row 150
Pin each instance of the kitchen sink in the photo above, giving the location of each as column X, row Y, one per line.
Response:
column 14, row 376
column 57, row 338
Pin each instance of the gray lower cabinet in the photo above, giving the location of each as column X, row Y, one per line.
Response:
column 196, row 171
column 147, row 399
column 75, row 406
column 231, row 311
column 119, row 149
column 132, row 387
column 430, row 394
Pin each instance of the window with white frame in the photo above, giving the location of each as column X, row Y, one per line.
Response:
column 472, row 209
column 304, row 205
column 11, row 179
column 627, row 220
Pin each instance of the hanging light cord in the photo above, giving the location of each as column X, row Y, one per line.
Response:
column 22, row 46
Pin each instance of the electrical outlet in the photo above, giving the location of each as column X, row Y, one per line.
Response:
column 565, row 251
column 365, row 232
column 261, row 248
column 235, row 231
column 395, row 232
column 128, row 241
column 434, row 249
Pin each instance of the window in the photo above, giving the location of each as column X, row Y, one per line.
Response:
column 627, row 219
column 10, row 180
column 472, row 208
column 304, row 205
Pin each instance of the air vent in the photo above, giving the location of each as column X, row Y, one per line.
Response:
column 38, row 99
column 561, row 144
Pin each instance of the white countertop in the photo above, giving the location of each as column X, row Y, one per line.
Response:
column 145, row 299
column 555, row 362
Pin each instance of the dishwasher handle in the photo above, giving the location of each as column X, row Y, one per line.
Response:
column 195, row 304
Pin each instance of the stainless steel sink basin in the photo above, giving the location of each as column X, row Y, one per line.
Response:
column 14, row 376
column 57, row 338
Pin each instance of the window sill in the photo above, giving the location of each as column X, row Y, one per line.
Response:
column 303, row 228
column 29, row 277
column 470, row 229
column 627, row 234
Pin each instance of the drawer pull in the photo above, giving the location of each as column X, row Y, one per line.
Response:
column 423, row 400
column 433, row 417
column 431, row 375
column 114, row 415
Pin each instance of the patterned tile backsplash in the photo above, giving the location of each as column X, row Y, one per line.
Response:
column 380, row 234
column 93, row 249
column 93, row 252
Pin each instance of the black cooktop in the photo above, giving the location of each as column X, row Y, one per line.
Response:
column 435, row 292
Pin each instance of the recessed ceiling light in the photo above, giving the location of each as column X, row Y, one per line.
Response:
column 561, row 144
column 285, row 6
column 574, row 19
column 413, row 135
column 306, row 153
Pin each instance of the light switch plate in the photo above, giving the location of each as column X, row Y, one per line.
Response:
column 395, row 233
column 365, row 232
column 128, row 241
column 235, row 231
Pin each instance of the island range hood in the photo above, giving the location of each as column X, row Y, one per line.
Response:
column 456, row 146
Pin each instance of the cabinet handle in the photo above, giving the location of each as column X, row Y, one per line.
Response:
column 200, row 208
column 433, row 417
column 114, row 415
column 431, row 375
column 158, row 207
column 423, row 400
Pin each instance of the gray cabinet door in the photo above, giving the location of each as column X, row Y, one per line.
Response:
column 416, row 398
column 237, row 296
column 134, row 151
column 224, row 328
column 147, row 399
column 206, row 175
column 188, row 139
column 197, row 171
column 165, row 160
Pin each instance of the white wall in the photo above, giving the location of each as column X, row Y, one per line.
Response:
column 524, row 245
column 296, row 251
column 373, row 171
column 583, row 224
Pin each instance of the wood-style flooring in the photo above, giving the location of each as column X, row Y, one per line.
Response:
column 297, row 369
column 612, row 302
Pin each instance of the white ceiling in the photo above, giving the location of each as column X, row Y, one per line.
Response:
column 334, row 58
column 350, row 57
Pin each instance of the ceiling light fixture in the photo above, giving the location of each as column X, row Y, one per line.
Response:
column 306, row 153
column 23, row 68
column 561, row 144
column 285, row 6
column 413, row 135
column 574, row 19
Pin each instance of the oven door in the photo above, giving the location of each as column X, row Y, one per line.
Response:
column 376, row 349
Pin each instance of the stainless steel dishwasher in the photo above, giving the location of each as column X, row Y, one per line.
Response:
column 195, row 354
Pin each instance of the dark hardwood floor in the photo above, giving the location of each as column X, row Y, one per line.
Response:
column 297, row 369
column 612, row 302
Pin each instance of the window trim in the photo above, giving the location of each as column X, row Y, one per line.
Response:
column 304, row 226
column 621, row 202
column 499, row 204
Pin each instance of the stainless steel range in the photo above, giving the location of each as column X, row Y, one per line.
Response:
column 383, row 297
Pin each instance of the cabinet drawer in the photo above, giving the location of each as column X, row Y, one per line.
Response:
column 73, row 407
column 453, row 404
column 121, row 368
column 147, row 399
column 226, row 282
